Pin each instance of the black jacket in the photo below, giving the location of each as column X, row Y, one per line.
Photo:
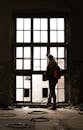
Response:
column 52, row 65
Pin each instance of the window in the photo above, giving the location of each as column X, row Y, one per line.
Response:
column 23, row 58
column 57, row 30
column 35, row 38
column 58, row 53
column 23, row 30
column 23, row 85
column 40, row 30
column 39, row 58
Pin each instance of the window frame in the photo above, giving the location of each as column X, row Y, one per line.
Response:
column 37, row 15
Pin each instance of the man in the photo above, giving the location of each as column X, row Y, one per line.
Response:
column 51, row 67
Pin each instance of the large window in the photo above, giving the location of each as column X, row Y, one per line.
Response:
column 36, row 37
column 41, row 27
column 37, row 31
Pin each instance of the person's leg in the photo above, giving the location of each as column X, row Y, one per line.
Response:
column 49, row 101
column 50, row 96
column 53, row 94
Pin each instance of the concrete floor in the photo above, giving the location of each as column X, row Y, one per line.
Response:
column 26, row 118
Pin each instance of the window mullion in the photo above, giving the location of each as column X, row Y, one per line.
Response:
column 32, row 44
column 48, row 45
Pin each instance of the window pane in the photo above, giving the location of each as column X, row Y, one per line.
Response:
column 27, row 64
column 26, row 94
column 43, row 53
column 44, row 92
column 26, row 81
column 27, row 52
column 19, row 36
column 27, row 24
column 36, row 36
column 60, row 23
column 61, row 95
column 61, row 82
column 61, row 63
column 36, row 24
column 19, row 24
column 19, row 81
column 53, row 51
column 19, row 94
column 52, row 36
column 43, row 24
column 44, row 36
column 37, row 85
column 60, row 52
column 27, row 98
column 19, row 52
column 18, row 64
column 43, row 64
column 36, row 64
column 36, row 54
column 27, row 36
column 53, row 24
column 60, row 36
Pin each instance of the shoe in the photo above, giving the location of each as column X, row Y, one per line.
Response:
column 53, row 108
column 48, row 104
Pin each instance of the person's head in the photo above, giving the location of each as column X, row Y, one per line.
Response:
column 50, row 57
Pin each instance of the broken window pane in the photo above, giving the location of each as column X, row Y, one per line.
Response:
column 27, row 81
column 26, row 92
column 37, row 85
column 44, row 92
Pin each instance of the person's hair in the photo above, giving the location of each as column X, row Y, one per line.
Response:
column 50, row 57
